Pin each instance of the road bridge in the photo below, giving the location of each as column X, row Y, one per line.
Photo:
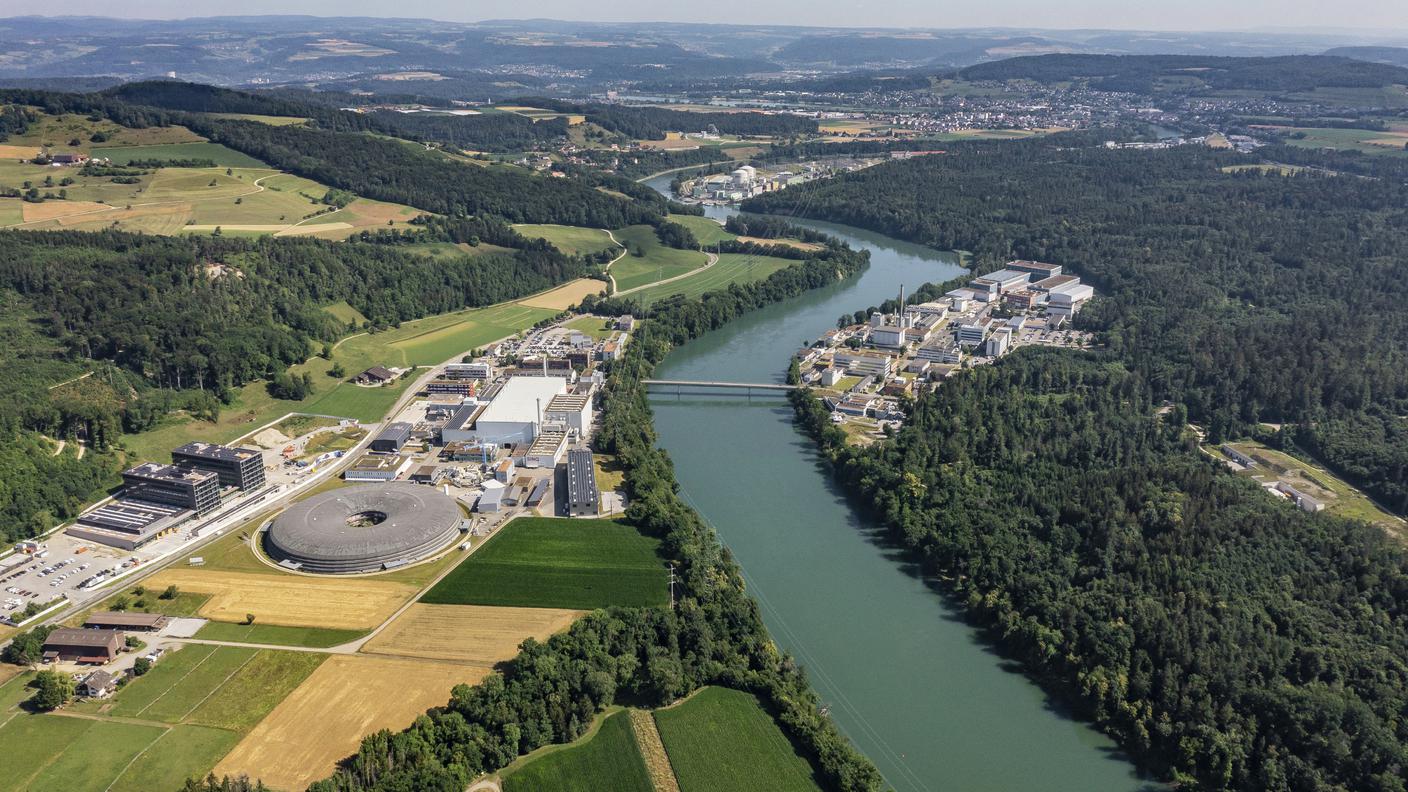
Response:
column 681, row 386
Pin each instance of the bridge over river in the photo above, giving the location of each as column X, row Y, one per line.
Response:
column 680, row 386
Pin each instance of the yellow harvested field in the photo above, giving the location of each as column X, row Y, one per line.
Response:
column 304, row 230
column 211, row 227
column 684, row 144
column 325, row 719
column 48, row 210
column 19, row 152
column 291, row 600
column 566, row 295
column 467, row 633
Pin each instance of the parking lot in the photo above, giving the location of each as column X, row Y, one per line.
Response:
column 60, row 566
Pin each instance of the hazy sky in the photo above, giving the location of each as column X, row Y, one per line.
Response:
column 1117, row 14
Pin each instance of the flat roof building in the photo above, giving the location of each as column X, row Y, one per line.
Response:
column 513, row 416
column 994, row 284
column 82, row 646
column 572, row 410
column 582, row 495
column 123, row 620
column 377, row 468
column 1038, row 268
column 127, row 524
column 391, row 439
column 197, row 490
column 491, row 501
column 236, row 467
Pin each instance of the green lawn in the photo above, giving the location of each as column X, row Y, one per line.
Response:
column 253, row 692
column 724, row 739
column 606, row 760
column 706, row 230
column 568, row 239
column 657, row 263
column 224, row 157
column 594, row 326
column 731, row 268
column 452, row 250
column 32, row 743
column 277, row 634
column 547, row 562
column 182, row 752
column 91, row 762
column 345, row 313
column 191, row 689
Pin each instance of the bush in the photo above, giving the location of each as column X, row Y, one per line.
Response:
column 142, row 666
column 52, row 690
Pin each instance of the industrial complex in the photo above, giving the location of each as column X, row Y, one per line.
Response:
column 865, row 371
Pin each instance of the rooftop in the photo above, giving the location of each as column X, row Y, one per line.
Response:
column 569, row 402
column 160, row 472
column 70, row 636
column 517, row 401
column 213, row 451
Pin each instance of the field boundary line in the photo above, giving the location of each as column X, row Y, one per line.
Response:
column 652, row 751
column 189, row 671
column 222, row 684
column 140, row 754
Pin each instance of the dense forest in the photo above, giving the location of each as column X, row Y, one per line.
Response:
column 1148, row 73
column 552, row 691
column 161, row 323
column 1226, row 638
column 1247, row 297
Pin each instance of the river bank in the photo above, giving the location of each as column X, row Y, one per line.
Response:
column 907, row 679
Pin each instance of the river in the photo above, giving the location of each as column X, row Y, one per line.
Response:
column 906, row 679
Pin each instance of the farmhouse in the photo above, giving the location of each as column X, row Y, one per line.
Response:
column 82, row 646
column 99, row 684
column 376, row 375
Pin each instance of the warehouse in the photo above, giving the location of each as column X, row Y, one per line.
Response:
column 131, row 622
column 582, row 496
column 197, row 490
column 546, row 451
column 392, row 438
column 491, row 501
column 127, row 524
column 512, row 417
column 82, row 646
column 994, row 284
column 237, row 467
column 1038, row 268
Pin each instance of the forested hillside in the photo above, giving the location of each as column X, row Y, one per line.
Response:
column 1246, row 297
column 1146, row 73
column 162, row 323
column 1225, row 638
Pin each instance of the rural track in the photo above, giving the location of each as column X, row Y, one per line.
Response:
column 713, row 258
column 619, row 256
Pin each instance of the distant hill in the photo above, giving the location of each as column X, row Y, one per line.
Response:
column 1156, row 73
column 857, row 49
column 1394, row 56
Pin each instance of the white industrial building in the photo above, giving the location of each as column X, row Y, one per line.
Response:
column 514, row 415
column 998, row 343
column 1065, row 303
column 571, row 411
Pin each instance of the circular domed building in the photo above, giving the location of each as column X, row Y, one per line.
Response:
column 364, row 528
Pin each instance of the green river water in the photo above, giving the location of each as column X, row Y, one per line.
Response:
column 905, row 678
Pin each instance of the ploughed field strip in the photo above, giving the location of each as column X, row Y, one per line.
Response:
column 559, row 563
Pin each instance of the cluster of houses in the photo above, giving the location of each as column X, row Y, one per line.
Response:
column 870, row 367
column 101, row 639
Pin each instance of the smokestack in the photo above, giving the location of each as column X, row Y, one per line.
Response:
column 545, row 364
column 901, row 311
